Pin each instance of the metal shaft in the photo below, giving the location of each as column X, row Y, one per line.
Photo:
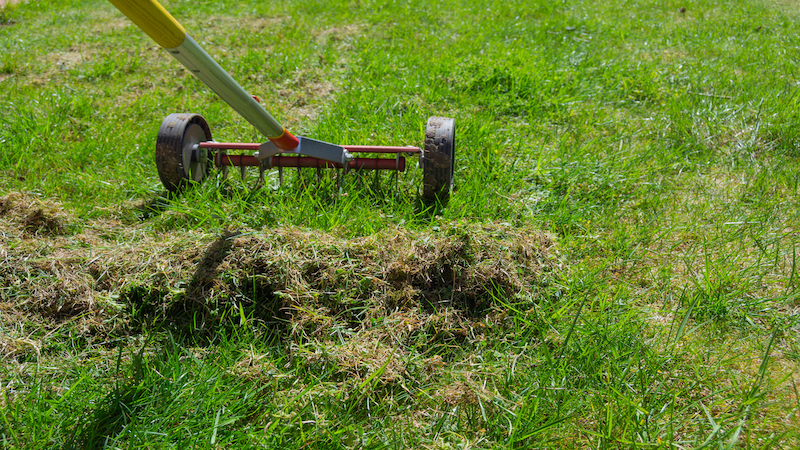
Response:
column 159, row 24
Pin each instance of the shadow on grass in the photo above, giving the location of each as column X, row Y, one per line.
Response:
column 149, row 209
column 115, row 412
column 213, row 301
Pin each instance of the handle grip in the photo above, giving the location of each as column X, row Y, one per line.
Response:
column 154, row 20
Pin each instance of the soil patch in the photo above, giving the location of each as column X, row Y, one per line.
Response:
column 4, row 3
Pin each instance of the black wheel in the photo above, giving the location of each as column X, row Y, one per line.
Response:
column 438, row 159
column 178, row 160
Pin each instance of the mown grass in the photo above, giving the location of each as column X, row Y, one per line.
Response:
column 616, row 268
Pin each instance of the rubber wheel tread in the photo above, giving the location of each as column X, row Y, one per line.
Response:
column 438, row 160
column 169, row 149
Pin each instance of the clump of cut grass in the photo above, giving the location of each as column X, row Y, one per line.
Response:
column 34, row 216
column 197, row 281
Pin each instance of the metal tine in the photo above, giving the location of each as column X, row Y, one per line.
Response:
column 344, row 172
column 280, row 176
column 396, row 173
column 222, row 155
column 300, row 177
column 261, row 177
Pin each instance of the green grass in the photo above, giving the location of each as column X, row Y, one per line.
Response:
column 617, row 267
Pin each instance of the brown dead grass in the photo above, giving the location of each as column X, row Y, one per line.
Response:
column 711, row 244
column 377, row 291
column 33, row 216
column 312, row 88
column 786, row 6
column 70, row 59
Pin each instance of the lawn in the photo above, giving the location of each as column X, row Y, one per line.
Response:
column 615, row 268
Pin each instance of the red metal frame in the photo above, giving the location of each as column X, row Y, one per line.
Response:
column 350, row 148
column 398, row 163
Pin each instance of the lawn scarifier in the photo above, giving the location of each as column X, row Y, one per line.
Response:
column 185, row 150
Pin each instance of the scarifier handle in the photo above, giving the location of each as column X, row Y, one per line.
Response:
column 159, row 24
column 154, row 20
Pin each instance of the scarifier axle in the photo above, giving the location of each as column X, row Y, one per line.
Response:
column 223, row 159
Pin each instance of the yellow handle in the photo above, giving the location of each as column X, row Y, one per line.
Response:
column 154, row 20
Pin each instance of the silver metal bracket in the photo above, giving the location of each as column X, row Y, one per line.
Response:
column 267, row 150
column 197, row 154
column 308, row 147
